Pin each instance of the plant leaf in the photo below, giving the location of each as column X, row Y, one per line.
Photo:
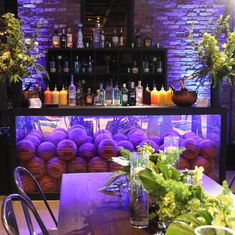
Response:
column 179, row 228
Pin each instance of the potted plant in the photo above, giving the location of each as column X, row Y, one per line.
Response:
column 215, row 56
column 18, row 55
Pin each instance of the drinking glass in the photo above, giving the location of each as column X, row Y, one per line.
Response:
column 213, row 230
column 139, row 200
column 171, row 143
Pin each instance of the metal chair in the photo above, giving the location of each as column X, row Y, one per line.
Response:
column 8, row 215
column 18, row 182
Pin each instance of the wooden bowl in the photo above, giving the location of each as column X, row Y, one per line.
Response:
column 184, row 98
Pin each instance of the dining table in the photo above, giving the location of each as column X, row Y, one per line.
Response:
column 84, row 210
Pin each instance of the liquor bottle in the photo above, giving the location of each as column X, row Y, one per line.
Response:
column 153, row 65
column 89, row 97
column 147, row 41
column 63, row 39
column 47, row 96
column 139, row 94
column 80, row 37
column 115, row 38
column 121, row 39
column 102, row 93
column 69, row 38
column 77, row 65
column 59, row 64
column 154, row 96
column 55, row 96
column 63, row 97
column 79, row 94
column 108, row 95
column 90, row 67
column 66, row 65
column 102, row 39
column 132, row 95
column 146, row 98
column 135, row 68
column 146, row 65
column 124, row 95
column 138, row 40
column 56, row 40
column 159, row 65
column 96, row 37
column 98, row 98
column 52, row 65
column 116, row 96
column 72, row 92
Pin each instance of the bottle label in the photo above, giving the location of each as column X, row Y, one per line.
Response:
column 69, row 40
column 89, row 99
column 125, row 98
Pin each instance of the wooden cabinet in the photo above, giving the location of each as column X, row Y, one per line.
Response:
column 103, row 64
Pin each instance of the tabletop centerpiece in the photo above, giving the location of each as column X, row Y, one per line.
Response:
column 18, row 55
column 178, row 203
column 214, row 56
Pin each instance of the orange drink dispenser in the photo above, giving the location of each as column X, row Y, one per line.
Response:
column 55, row 96
column 47, row 96
column 63, row 97
column 169, row 94
column 154, row 96
column 162, row 96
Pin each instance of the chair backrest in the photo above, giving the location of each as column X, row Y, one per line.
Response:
column 18, row 172
column 8, row 215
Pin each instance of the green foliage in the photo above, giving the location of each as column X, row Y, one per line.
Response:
column 18, row 56
column 215, row 58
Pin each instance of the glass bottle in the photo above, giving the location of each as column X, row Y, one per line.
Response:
column 102, row 93
column 115, row 38
column 159, row 65
column 56, row 39
column 79, row 94
column 80, row 37
column 89, row 97
column 90, row 68
column 72, row 92
column 138, row 40
column 116, row 96
column 146, row 65
column 132, row 95
column 124, row 95
column 146, row 96
column 135, row 68
column 108, row 96
column 96, row 37
column 63, row 39
column 102, row 39
column 154, row 96
column 139, row 94
column 59, row 64
column 98, row 98
column 69, row 38
column 63, row 96
column 47, row 96
column 66, row 65
column 121, row 39
column 55, row 96
column 153, row 65
column 147, row 41
column 52, row 65
column 77, row 65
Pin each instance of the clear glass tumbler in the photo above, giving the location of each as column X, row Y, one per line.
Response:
column 171, row 143
column 213, row 230
column 139, row 200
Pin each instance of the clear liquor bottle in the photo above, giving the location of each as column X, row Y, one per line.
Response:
column 124, row 95
column 132, row 95
column 52, row 65
column 115, row 38
column 66, row 65
column 108, row 96
column 79, row 94
column 96, row 37
column 69, row 38
column 116, row 96
column 139, row 94
column 77, row 65
column 72, row 92
column 90, row 67
column 102, row 93
column 121, row 39
column 56, row 40
column 80, row 37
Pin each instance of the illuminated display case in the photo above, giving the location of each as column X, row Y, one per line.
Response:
column 50, row 142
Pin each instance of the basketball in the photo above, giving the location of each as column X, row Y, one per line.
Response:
column 156, row 140
column 60, row 129
column 189, row 135
column 28, row 184
column 20, row 134
column 34, row 139
column 46, row 151
column 89, row 139
column 151, row 143
column 183, row 163
column 66, row 150
column 192, row 149
column 208, row 149
column 78, row 126
column 97, row 164
column 37, row 133
column 56, row 167
column 136, row 137
column 56, row 137
column 87, row 151
column 101, row 137
column 77, row 165
column 201, row 161
column 48, row 184
column 126, row 145
column 119, row 137
column 36, row 166
column 113, row 166
column 102, row 131
column 108, row 149
column 78, row 136
column 25, row 150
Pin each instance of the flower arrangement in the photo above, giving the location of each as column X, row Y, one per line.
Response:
column 215, row 52
column 182, row 203
column 18, row 55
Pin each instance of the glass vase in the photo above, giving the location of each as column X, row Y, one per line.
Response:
column 139, row 200
column 212, row 229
